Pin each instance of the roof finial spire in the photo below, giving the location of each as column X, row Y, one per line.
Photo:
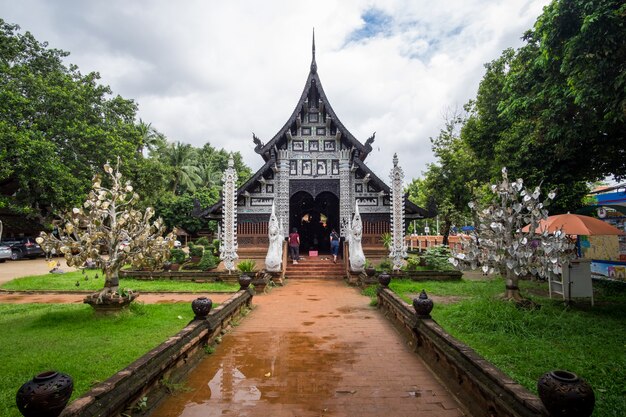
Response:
column 313, row 63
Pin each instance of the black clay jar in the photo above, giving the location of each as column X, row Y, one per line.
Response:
column 564, row 394
column 423, row 305
column 45, row 395
column 201, row 307
column 244, row 281
column 384, row 279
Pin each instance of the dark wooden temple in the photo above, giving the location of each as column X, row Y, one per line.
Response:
column 314, row 172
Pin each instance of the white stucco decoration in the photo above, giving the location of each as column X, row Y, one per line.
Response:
column 397, row 250
column 228, row 245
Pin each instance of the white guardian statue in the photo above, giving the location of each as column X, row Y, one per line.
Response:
column 355, row 233
column 274, row 258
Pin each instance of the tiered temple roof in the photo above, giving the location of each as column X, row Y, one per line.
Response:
column 314, row 100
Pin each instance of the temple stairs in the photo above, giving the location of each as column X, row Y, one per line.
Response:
column 316, row 267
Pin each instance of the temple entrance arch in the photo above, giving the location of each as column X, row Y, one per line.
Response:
column 314, row 217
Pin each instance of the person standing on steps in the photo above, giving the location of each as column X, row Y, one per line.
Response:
column 334, row 244
column 294, row 245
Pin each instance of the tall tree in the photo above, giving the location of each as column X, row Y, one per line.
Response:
column 176, row 209
column 554, row 111
column 56, row 126
column 449, row 184
column 182, row 159
column 585, row 42
column 151, row 138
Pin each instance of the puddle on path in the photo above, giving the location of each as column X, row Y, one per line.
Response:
column 253, row 369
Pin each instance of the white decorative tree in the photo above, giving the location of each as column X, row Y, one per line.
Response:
column 501, row 243
column 108, row 230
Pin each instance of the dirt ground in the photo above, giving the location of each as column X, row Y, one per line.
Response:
column 24, row 267
column 68, row 298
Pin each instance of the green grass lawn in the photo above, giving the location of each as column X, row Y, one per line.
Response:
column 589, row 341
column 67, row 282
column 71, row 339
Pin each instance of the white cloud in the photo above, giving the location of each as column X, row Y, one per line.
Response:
column 217, row 71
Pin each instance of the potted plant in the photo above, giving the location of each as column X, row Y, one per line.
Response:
column 108, row 222
column 246, row 267
column 370, row 270
column 386, row 240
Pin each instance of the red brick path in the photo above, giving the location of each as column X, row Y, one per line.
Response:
column 312, row 348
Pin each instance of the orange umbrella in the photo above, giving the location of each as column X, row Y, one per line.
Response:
column 576, row 224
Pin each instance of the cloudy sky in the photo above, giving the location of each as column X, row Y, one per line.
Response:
column 216, row 71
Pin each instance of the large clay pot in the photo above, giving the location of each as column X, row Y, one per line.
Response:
column 201, row 307
column 384, row 279
column 45, row 395
column 423, row 305
column 244, row 281
column 370, row 272
column 564, row 394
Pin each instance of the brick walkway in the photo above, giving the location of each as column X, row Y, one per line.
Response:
column 312, row 348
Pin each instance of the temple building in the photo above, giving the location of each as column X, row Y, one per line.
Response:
column 314, row 173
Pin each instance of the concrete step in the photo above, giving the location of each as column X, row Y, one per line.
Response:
column 317, row 276
column 315, row 268
column 313, row 272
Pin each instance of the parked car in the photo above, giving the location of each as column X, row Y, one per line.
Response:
column 26, row 248
column 5, row 252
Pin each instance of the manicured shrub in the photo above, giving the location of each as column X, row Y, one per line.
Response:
column 207, row 262
column 196, row 251
column 413, row 263
column 437, row 258
column 177, row 256
column 203, row 241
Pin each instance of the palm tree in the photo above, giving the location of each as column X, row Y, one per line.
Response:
column 209, row 166
column 151, row 139
column 181, row 158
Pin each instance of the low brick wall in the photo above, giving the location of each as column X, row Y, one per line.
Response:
column 197, row 276
column 431, row 275
column 363, row 280
column 169, row 361
column 482, row 388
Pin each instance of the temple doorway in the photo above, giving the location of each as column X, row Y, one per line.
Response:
column 315, row 218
